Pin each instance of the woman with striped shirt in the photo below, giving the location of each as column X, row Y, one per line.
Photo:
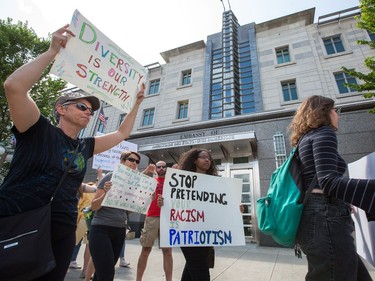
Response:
column 326, row 227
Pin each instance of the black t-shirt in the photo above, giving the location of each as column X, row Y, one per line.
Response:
column 41, row 156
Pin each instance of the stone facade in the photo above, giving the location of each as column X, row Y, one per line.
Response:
column 251, row 136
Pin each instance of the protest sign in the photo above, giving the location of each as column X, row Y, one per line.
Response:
column 93, row 63
column 200, row 210
column 131, row 190
column 111, row 157
column 364, row 168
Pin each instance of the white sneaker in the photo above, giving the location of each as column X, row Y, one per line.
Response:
column 73, row 264
column 124, row 263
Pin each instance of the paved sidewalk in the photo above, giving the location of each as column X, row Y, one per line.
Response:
column 248, row 262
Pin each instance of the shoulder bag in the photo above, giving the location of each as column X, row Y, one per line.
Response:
column 25, row 242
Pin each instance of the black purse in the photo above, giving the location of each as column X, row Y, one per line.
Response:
column 25, row 242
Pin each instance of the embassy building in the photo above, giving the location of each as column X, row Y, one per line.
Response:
column 236, row 93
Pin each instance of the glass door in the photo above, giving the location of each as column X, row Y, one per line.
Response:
column 247, row 200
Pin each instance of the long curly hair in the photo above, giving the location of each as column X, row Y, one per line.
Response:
column 313, row 112
column 187, row 159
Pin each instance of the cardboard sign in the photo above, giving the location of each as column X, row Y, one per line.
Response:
column 131, row 190
column 95, row 64
column 364, row 168
column 108, row 159
column 200, row 210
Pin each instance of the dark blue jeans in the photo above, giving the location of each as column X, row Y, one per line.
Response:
column 196, row 266
column 105, row 247
column 326, row 237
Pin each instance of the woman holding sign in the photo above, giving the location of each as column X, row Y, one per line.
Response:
column 108, row 226
column 197, row 258
column 45, row 153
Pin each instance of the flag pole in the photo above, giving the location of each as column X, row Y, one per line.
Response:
column 223, row 4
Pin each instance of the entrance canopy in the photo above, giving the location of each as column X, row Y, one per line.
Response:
column 221, row 146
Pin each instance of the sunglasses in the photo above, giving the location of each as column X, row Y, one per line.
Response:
column 161, row 167
column 337, row 110
column 132, row 160
column 81, row 106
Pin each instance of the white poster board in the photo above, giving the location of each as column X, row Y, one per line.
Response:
column 200, row 210
column 364, row 168
column 108, row 159
column 131, row 190
column 93, row 63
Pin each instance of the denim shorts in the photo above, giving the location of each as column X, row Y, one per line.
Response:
column 326, row 236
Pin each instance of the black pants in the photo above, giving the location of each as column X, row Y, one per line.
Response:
column 196, row 266
column 63, row 241
column 105, row 247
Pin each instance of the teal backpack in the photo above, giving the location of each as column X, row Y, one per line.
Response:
column 279, row 213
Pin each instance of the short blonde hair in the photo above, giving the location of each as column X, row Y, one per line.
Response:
column 125, row 154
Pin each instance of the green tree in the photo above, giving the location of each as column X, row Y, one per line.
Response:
column 366, row 22
column 18, row 45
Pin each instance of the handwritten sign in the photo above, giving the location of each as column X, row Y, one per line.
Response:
column 131, row 190
column 98, row 66
column 200, row 210
column 364, row 168
column 108, row 159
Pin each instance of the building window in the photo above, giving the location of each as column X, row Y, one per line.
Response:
column 241, row 160
column 280, row 151
column 101, row 127
column 82, row 133
column 186, row 77
column 333, row 45
column 148, row 117
column 289, row 90
column 183, row 107
column 154, row 87
column 342, row 79
column 122, row 117
column 282, row 55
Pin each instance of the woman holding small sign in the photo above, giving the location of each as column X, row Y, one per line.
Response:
column 197, row 258
column 108, row 226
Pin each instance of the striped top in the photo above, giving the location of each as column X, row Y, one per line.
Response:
column 318, row 154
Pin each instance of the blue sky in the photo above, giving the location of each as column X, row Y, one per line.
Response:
column 145, row 28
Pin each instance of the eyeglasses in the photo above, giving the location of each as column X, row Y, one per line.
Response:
column 205, row 157
column 81, row 106
column 161, row 167
column 132, row 160
column 337, row 109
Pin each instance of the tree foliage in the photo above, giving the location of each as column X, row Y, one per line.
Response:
column 18, row 45
column 366, row 21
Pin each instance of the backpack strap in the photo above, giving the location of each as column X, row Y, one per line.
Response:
column 311, row 187
column 315, row 179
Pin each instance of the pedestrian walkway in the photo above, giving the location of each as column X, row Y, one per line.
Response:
column 249, row 262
